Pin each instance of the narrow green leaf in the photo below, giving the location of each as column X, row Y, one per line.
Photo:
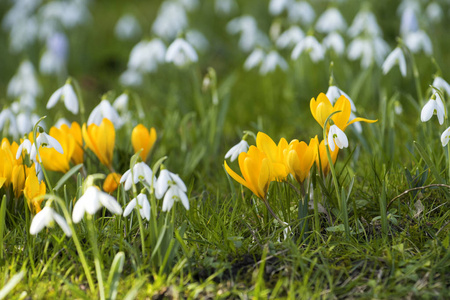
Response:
column 114, row 274
column 66, row 176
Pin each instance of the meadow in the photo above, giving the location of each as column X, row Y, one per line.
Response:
column 224, row 149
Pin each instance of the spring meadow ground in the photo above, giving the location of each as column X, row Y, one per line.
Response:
column 224, row 149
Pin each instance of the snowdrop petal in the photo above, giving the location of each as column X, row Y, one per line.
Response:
column 445, row 137
column 70, row 99
column 162, row 184
column 42, row 219
column 129, row 207
column 168, row 200
column 179, row 183
column 184, row 199
column 428, row 110
column 110, row 203
column 54, row 98
column 62, row 223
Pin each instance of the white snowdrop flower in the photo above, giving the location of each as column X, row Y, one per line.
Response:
column 23, row 34
column 394, row 58
column 92, row 200
column 290, row 37
column 418, row 40
column 47, row 141
column 271, row 62
column 127, row 27
column 331, row 20
column 121, row 103
column 62, row 121
column 336, row 135
column 433, row 105
column 364, row 21
column 276, row 7
column 381, row 49
column 225, row 7
column 310, row 45
column 7, row 117
column 69, row 13
column 170, row 21
column 434, row 12
column 237, row 149
column 24, row 123
column 181, row 53
column 197, row 39
column 254, row 59
column 144, row 209
column 27, row 102
column 66, row 93
column 174, row 189
column 147, row 55
column 302, row 12
column 24, row 81
column 333, row 93
column 408, row 21
column 438, row 82
column 28, row 147
column 445, row 137
column 131, row 78
column 47, row 218
column 398, row 109
column 335, row 42
column 141, row 172
column 362, row 49
column 104, row 110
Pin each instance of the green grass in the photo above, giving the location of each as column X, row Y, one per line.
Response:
column 367, row 243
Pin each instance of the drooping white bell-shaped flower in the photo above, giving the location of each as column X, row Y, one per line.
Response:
column 92, row 200
column 46, row 218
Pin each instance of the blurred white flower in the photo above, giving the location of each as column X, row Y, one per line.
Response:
column 28, row 147
column 331, row 20
column 433, row 105
column 408, row 21
column 254, row 59
column 189, row 5
column 302, row 12
column 439, row 83
column 398, row 109
column 170, row 21
column 7, row 117
column 144, row 209
column 53, row 61
column 104, row 110
column 434, row 12
column 62, row 121
column 131, row 78
column 418, row 40
column 197, row 40
column 147, row 55
column 335, row 42
column 127, row 27
column 336, row 135
column 92, row 200
column 310, row 45
column 24, row 81
column 368, row 50
column 225, row 7
column 66, row 93
column 141, row 172
column 271, row 62
column 237, row 149
column 25, row 121
column 396, row 57
column 290, row 37
column 46, row 218
column 121, row 103
column 251, row 36
column 181, row 53
column 276, row 7
column 445, row 137
column 364, row 21
column 23, row 34
column 68, row 13
column 174, row 189
column 47, row 141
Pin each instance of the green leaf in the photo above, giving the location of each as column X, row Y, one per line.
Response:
column 11, row 284
column 66, row 176
column 114, row 274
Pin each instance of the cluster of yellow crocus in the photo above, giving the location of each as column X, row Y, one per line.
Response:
column 267, row 161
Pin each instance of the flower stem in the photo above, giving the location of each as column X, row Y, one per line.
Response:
column 98, row 268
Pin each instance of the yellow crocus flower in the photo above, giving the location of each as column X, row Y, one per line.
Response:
column 19, row 174
column 256, row 171
column 75, row 132
column 142, row 138
column 111, row 182
column 275, row 154
column 52, row 159
column 300, row 158
column 100, row 139
column 8, row 161
column 33, row 190
column 322, row 108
